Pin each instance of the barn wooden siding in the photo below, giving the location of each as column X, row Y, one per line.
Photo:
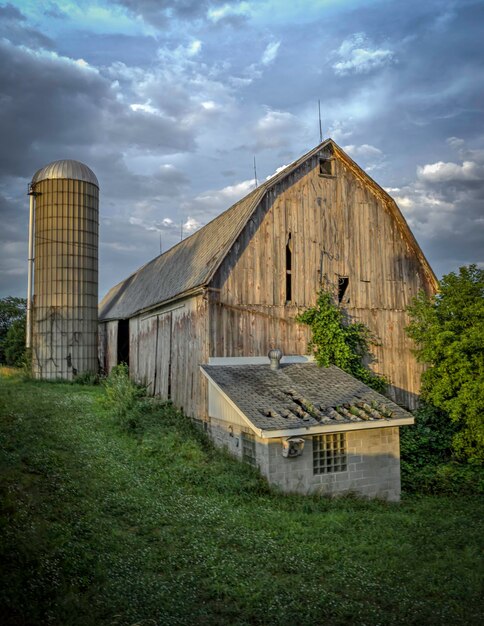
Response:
column 166, row 347
column 340, row 226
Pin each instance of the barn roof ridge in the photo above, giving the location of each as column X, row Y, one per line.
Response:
column 192, row 262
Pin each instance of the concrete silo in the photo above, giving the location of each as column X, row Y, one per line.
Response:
column 63, row 258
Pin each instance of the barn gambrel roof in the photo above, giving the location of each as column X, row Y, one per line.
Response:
column 192, row 263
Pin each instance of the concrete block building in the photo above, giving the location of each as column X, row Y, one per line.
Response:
column 308, row 429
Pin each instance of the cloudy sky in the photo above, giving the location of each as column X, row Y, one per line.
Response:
column 168, row 101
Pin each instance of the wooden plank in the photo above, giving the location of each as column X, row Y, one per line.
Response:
column 163, row 355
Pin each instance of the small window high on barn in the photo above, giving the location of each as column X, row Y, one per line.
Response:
column 329, row 453
column 343, row 282
column 289, row 269
column 326, row 166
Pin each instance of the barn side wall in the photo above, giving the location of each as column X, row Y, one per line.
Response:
column 339, row 226
column 166, row 349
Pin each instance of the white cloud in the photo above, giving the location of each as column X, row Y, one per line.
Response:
column 358, row 55
column 279, row 169
column 275, row 120
column 146, row 108
column 443, row 206
column 339, row 130
column 227, row 195
column 270, row 53
column 450, row 172
column 371, row 157
column 228, row 10
column 191, row 225
column 274, row 129
column 365, row 151
column 194, row 48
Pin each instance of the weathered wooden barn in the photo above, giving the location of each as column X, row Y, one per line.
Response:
column 196, row 324
column 234, row 287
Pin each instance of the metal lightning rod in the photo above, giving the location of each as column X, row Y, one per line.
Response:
column 320, row 127
column 255, row 173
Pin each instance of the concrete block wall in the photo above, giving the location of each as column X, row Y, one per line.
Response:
column 229, row 436
column 373, row 462
column 373, row 467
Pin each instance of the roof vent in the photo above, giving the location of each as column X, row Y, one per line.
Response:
column 275, row 357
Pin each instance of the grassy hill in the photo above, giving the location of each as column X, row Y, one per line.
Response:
column 101, row 526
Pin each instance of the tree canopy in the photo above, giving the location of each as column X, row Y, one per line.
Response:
column 448, row 330
column 12, row 330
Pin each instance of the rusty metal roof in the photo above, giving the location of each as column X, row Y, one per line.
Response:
column 67, row 168
column 303, row 395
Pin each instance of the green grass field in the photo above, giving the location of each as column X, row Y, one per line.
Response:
column 101, row 526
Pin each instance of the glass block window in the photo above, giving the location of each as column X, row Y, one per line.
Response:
column 329, row 453
column 248, row 448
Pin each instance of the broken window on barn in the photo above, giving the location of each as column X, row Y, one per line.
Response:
column 289, row 269
column 343, row 282
column 326, row 166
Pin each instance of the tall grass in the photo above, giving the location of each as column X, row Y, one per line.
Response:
column 101, row 525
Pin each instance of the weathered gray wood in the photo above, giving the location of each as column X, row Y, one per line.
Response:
column 343, row 225
column 163, row 361
column 339, row 226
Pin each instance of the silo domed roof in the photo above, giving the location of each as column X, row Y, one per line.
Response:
column 74, row 170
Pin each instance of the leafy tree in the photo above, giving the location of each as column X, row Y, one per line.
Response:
column 12, row 319
column 14, row 344
column 337, row 341
column 448, row 330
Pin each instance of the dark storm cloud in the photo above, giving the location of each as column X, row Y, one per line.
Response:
column 41, row 96
column 13, row 244
column 64, row 104
column 148, row 131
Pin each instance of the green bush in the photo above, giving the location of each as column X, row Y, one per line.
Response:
column 337, row 341
column 14, row 343
column 122, row 397
column 86, row 378
column 12, row 311
column 429, row 440
column 427, row 458
column 451, row 478
column 448, row 331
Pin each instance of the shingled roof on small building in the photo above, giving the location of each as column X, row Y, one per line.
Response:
column 193, row 262
column 303, row 396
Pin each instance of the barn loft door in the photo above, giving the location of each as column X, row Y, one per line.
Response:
column 163, row 356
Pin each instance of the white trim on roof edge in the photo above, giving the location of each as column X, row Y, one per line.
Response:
column 330, row 428
column 258, row 360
